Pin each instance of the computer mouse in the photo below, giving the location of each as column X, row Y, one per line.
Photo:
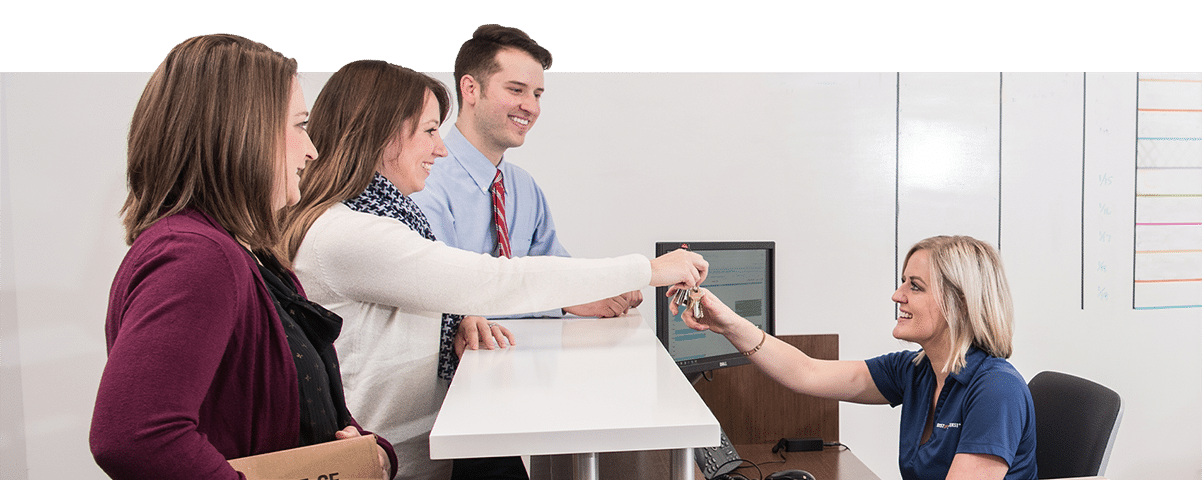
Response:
column 790, row 475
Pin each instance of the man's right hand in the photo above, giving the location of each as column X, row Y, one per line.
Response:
column 609, row 307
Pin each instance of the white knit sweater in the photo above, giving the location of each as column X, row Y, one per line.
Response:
column 391, row 287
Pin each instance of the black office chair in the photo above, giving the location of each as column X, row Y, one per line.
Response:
column 1075, row 424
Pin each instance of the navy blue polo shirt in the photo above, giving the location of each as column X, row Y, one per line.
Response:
column 986, row 408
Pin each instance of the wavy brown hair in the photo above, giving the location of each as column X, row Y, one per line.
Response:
column 208, row 133
column 359, row 110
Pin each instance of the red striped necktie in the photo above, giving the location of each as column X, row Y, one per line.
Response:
column 498, row 216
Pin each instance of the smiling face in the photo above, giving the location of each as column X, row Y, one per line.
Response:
column 298, row 150
column 408, row 157
column 920, row 319
column 498, row 113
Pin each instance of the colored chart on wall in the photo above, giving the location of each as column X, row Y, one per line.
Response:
column 1168, row 192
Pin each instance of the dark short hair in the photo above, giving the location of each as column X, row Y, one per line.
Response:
column 208, row 133
column 359, row 110
column 478, row 56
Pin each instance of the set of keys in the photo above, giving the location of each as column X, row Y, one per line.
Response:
column 684, row 298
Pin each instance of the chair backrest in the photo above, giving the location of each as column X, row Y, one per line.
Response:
column 1075, row 424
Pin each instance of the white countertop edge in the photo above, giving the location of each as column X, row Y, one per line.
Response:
column 556, row 443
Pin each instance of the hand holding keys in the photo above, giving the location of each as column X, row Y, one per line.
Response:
column 684, row 298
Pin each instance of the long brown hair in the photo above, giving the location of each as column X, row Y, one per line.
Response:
column 207, row 133
column 359, row 110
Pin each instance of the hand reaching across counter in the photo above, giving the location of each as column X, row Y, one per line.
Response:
column 679, row 267
column 716, row 316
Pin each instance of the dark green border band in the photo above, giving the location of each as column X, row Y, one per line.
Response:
column 623, row 35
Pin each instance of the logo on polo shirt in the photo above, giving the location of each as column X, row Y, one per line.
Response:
column 946, row 426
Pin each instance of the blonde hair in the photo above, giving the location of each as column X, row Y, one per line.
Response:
column 208, row 133
column 972, row 293
column 359, row 110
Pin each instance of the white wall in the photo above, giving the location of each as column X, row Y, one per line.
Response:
column 841, row 170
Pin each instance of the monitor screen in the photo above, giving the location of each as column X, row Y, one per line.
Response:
column 742, row 275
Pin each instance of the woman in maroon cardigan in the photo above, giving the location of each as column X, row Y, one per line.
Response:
column 214, row 352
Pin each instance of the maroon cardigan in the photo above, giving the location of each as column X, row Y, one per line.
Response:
column 199, row 370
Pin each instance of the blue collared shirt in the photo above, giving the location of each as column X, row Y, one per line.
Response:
column 986, row 408
column 458, row 204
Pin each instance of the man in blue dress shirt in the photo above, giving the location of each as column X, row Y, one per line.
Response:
column 499, row 79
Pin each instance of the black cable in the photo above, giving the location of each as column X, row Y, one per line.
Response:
column 738, row 476
column 782, row 460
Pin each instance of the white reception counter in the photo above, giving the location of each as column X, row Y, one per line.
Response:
column 573, row 386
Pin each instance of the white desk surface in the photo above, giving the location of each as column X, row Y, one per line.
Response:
column 577, row 385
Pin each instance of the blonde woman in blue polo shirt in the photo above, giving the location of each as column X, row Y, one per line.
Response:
column 966, row 411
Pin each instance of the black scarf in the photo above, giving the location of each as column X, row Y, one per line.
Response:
column 311, row 330
column 382, row 198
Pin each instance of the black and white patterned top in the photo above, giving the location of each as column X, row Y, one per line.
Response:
column 382, row 198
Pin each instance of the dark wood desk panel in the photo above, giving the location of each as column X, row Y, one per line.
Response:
column 832, row 463
column 753, row 408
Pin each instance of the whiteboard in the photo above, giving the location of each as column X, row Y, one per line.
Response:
column 843, row 170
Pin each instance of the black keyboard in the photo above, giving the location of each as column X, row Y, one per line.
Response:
column 719, row 460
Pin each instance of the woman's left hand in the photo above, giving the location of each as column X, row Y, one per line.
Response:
column 474, row 331
column 385, row 466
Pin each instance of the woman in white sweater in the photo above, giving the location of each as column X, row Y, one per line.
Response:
column 363, row 249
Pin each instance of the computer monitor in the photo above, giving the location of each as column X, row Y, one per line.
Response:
column 742, row 275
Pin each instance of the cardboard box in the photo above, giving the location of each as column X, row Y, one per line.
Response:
column 350, row 459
